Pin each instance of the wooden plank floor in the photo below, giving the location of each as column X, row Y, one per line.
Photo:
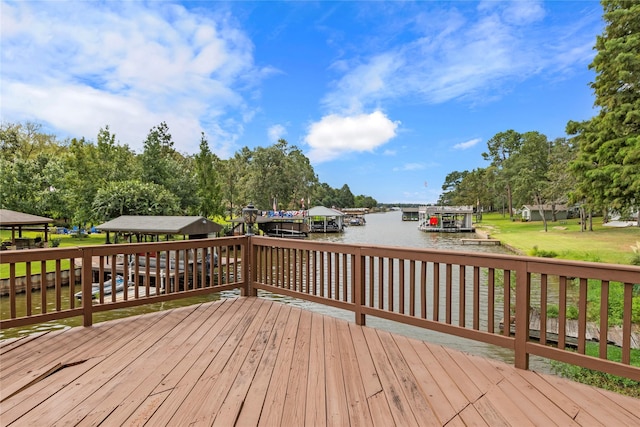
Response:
column 250, row 361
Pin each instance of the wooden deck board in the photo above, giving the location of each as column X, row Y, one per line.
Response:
column 249, row 361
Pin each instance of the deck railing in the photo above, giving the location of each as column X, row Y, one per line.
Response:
column 485, row 297
column 158, row 272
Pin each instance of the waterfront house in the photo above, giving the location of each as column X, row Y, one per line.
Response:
column 550, row 212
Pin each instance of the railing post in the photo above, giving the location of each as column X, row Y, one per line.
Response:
column 248, row 267
column 86, row 281
column 523, row 294
column 359, row 283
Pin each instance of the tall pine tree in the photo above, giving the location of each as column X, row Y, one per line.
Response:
column 608, row 163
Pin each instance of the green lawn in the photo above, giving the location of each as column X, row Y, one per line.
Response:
column 604, row 244
column 66, row 240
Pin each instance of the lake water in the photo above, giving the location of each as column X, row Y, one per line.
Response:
column 386, row 229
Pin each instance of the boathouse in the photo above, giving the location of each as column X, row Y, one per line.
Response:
column 410, row 214
column 446, row 218
column 325, row 220
column 289, row 224
column 355, row 216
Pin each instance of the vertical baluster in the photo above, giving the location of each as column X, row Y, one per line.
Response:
column 314, row 271
column 476, row 298
column 12, row 289
column 390, row 293
column 462, row 298
column 562, row 312
column 322, row 281
column 436, row 291
column 604, row 319
column 491, row 303
column 507, row 302
column 448, row 293
column 113, row 279
column 401, row 286
column 28, row 289
column 352, row 279
column 380, row 283
column 423, row 289
column 412, row 288
column 582, row 316
column 626, row 323
column 43, row 288
column 371, row 282
column 58, row 285
column 543, row 309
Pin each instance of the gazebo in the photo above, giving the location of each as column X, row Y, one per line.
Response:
column 195, row 227
column 22, row 221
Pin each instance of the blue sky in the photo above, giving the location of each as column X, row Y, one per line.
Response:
column 387, row 97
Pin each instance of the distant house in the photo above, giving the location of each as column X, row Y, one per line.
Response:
column 532, row 212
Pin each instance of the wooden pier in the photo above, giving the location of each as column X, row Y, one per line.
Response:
column 249, row 361
column 489, row 242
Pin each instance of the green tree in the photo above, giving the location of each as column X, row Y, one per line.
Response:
column 280, row 172
column 608, row 163
column 450, row 188
column 532, row 164
column 161, row 164
column 209, row 191
column 501, row 147
column 134, row 198
column 362, row 201
column 345, row 197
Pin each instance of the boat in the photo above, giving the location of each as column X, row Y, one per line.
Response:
column 286, row 233
column 131, row 292
column 108, row 288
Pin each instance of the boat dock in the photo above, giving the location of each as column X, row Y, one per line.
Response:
column 490, row 242
column 551, row 329
column 249, row 361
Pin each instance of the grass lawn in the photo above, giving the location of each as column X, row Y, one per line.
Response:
column 66, row 240
column 603, row 244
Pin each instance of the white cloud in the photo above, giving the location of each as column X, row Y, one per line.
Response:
column 410, row 167
column 467, row 144
column 458, row 55
column 276, row 132
column 335, row 135
column 81, row 66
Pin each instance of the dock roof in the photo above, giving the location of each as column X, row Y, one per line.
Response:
column 9, row 218
column 147, row 224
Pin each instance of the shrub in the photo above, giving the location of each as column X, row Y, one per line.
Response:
column 55, row 242
column 635, row 257
column 543, row 253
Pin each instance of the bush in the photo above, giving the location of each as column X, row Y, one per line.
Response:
column 55, row 242
column 542, row 253
column 620, row 385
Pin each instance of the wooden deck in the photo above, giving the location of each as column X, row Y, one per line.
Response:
column 249, row 361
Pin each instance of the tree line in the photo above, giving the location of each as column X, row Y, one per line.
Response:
column 88, row 182
column 596, row 167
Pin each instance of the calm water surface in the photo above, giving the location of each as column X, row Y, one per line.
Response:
column 385, row 229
